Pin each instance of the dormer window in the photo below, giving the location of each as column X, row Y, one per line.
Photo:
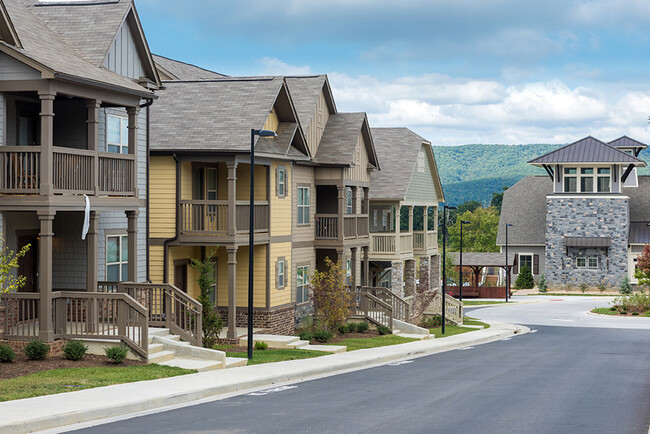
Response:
column 587, row 180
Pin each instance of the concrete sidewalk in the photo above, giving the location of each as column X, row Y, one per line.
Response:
column 47, row 412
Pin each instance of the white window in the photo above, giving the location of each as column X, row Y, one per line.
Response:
column 117, row 134
column 211, row 184
column 603, row 180
column 349, row 201
column 587, row 180
column 281, row 272
column 117, row 258
column 592, row 262
column 281, row 176
column 302, row 284
column 570, row 180
column 581, row 262
column 303, row 205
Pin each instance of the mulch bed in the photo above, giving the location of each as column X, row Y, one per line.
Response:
column 22, row 366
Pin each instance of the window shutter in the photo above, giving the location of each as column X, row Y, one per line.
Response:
column 515, row 269
column 277, row 273
column 536, row 264
column 277, row 181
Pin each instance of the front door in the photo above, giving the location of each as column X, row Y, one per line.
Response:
column 28, row 264
column 180, row 276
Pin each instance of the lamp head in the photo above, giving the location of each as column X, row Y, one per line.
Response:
column 451, row 207
column 265, row 133
column 508, row 225
column 464, row 222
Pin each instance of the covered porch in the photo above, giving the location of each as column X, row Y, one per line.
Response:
column 476, row 262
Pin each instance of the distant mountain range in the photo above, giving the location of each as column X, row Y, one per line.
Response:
column 474, row 172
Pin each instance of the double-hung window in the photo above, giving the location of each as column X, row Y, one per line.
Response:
column 570, row 180
column 526, row 260
column 211, row 183
column 302, row 284
column 117, row 258
column 591, row 262
column 587, row 180
column 303, row 205
column 117, row 134
column 603, row 180
column 280, row 272
column 349, row 201
column 281, row 180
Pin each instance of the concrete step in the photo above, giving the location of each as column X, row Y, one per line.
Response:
column 273, row 341
column 161, row 356
column 326, row 348
column 199, row 365
column 298, row 344
column 235, row 362
column 415, row 336
column 155, row 348
column 396, row 332
column 158, row 331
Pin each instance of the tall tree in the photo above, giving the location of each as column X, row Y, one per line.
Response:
column 480, row 235
column 497, row 200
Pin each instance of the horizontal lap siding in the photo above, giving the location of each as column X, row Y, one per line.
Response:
column 156, row 264
column 281, row 296
column 244, row 182
column 186, row 180
column 281, row 207
column 163, row 197
column 422, row 188
column 303, row 177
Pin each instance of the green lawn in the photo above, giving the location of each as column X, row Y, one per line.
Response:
column 480, row 302
column 608, row 311
column 378, row 341
column 473, row 321
column 580, row 294
column 450, row 330
column 277, row 355
column 70, row 379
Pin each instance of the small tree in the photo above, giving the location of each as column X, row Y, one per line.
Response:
column 642, row 271
column 211, row 320
column 330, row 294
column 524, row 278
column 450, row 270
column 626, row 287
column 542, row 285
column 8, row 263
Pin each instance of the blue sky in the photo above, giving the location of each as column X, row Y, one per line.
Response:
column 455, row 71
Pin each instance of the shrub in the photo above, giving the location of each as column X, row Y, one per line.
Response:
column 612, row 308
column 74, row 350
column 431, row 322
column 542, row 285
column 306, row 335
column 116, row 354
column 331, row 298
column 383, row 330
column 353, row 327
column 524, row 278
column 6, row 354
column 626, row 287
column 344, row 328
column 322, row 335
column 635, row 313
column 583, row 287
column 36, row 350
column 363, row 326
column 261, row 345
column 602, row 287
column 211, row 321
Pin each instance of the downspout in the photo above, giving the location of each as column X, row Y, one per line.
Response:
column 147, row 105
column 178, row 223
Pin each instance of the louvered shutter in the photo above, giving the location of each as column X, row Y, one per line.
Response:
column 536, row 264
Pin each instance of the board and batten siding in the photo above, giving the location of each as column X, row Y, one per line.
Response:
column 317, row 125
column 162, row 203
column 303, row 177
column 281, row 206
column 422, row 189
column 359, row 171
column 328, row 173
column 12, row 69
column 123, row 56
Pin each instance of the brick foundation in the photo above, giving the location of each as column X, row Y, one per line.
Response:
column 279, row 321
column 56, row 347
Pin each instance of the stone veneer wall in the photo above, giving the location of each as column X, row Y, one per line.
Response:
column 397, row 278
column 434, row 282
column 303, row 311
column 425, row 274
column 586, row 217
column 279, row 321
column 409, row 277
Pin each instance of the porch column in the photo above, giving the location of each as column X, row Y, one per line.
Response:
column 355, row 279
column 47, row 141
column 425, row 227
column 93, row 139
column 365, row 208
column 355, row 197
column 91, row 253
column 133, row 145
column 46, row 327
column 132, row 231
column 398, row 219
column 232, row 292
column 366, row 267
column 342, row 193
column 410, row 207
column 340, row 255
column 232, row 198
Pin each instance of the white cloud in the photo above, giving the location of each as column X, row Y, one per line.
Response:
column 273, row 66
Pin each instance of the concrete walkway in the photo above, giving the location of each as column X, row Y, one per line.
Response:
column 48, row 412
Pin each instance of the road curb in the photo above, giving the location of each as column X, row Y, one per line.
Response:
column 124, row 399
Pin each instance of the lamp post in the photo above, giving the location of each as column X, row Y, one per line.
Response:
column 251, row 232
column 460, row 280
column 444, row 261
column 507, row 265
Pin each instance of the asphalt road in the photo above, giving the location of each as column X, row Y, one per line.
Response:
column 556, row 379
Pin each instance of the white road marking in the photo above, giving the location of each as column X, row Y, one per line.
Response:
column 465, row 348
column 403, row 362
column 533, row 331
column 565, row 320
column 506, row 339
column 274, row 390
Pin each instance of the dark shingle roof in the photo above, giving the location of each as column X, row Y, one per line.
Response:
column 340, row 138
column 47, row 48
column 215, row 115
column 305, row 92
column 397, row 150
column 639, row 199
column 627, row 142
column 185, row 71
column 524, row 206
column 587, row 150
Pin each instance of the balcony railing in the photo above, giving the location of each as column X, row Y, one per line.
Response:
column 354, row 226
column 74, row 171
column 210, row 217
column 425, row 241
column 385, row 243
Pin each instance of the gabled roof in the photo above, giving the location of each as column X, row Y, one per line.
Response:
column 627, row 142
column 340, row 139
column 217, row 116
column 7, row 31
column 397, row 150
column 178, row 70
column 587, row 150
column 46, row 51
column 305, row 91
column 524, row 207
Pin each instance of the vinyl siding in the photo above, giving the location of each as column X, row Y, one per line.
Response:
column 244, row 182
column 186, row 180
column 327, row 173
column 185, row 252
column 422, row 189
column 163, row 197
column 303, row 177
column 272, row 121
column 12, row 69
column 284, row 295
column 281, row 207
column 156, row 264
column 318, row 121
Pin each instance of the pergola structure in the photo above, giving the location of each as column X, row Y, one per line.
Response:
column 477, row 261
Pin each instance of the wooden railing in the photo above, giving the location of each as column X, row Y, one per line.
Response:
column 400, row 306
column 354, row 226
column 105, row 286
column 372, row 309
column 19, row 312
column 453, row 308
column 20, row 169
column 72, row 170
column 382, row 243
column 422, row 240
column 406, row 243
column 327, row 226
column 261, row 217
column 169, row 307
column 204, row 217
column 116, row 175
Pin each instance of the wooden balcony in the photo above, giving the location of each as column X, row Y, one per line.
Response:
column 73, row 171
column 386, row 245
column 425, row 243
column 354, row 226
column 210, row 217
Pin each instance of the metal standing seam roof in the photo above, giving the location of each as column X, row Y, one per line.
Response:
column 484, row 259
column 627, row 142
column 587, row 150
column 587, row 241
column 185, row 71
column 639, row 233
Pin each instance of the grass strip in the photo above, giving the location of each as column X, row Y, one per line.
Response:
column 481, row 302
column 558, row 294
column 277, row 355
column 473, row 321
column 70, row 379
column 450, row 330
column 354, row 344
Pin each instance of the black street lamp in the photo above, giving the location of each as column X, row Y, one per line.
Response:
column 507, row 265
column 460, row 284
column 444, row 261
column 251, row 232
